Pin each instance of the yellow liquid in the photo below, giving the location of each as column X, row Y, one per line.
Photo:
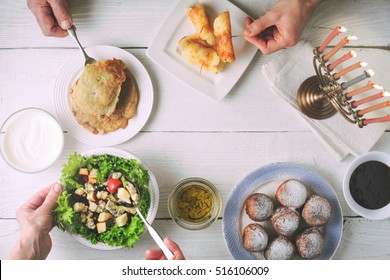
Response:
column 194, row 204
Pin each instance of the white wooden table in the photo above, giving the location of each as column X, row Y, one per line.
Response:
column 187, row 134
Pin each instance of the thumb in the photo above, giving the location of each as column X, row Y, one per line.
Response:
column 62, row 13
column 51, row 198
column 257, row 26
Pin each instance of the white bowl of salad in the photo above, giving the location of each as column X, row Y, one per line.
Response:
column 90, row 207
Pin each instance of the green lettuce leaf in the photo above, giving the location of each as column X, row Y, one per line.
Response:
column 69, row 220
column 63, row 212
column 70, row 173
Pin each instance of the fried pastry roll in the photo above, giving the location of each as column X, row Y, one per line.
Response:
column 223, row 33
column 201, row 23
column 197, row 52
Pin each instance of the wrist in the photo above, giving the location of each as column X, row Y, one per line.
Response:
column 23, row 250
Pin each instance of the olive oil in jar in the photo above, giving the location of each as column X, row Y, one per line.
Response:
column 194, row 203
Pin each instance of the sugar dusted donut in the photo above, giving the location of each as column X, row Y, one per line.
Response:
column 259, row 207
column 254, row 238
column 280, row 248
column 285, row 221
column 291, row 193
column 316, row 211
column 310, row 243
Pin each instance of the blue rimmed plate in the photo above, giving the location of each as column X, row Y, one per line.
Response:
column 266, row 180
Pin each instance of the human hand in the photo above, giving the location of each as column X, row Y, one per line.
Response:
column 53, row 16
column 281, row 26
column 157, row 254
column 35, row 223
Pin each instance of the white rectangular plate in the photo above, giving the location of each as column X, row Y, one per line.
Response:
column 162, row 50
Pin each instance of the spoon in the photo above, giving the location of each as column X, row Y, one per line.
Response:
column 157, row 238
column 72, row 33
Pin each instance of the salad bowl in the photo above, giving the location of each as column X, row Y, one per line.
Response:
column 90, row 210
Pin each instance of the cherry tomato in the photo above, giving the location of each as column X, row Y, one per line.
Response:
column 113, row 184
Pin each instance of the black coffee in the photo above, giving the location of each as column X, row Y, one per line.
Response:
column 370, row 185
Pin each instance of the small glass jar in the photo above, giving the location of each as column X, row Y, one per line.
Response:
column 194, row 203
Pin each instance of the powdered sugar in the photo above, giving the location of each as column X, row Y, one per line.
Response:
column 291, row 193
column 259, row 207
column 255, row 238
column 279, row 249
column 310, row 243
column 316, row 211
column 285, row 221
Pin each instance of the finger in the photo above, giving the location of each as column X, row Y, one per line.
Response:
column 258, row 42
column 36, row 200
column 47, row 23
column 275, row 43
column 177, row 253
column 257, row 26
column 51, row 197
column 61, row 12
column 267, row 43
column 154, row 254
column 248, row 21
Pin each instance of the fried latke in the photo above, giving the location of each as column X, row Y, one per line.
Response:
column 97, row 125
column 128, row 98
column 98, row 88
column 125, row 108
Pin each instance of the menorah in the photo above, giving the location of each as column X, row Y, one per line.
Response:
column 322, row 96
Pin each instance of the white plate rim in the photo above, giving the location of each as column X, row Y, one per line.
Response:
column 153, row 186
column 272, row 172
column 215, row 86
column 72, row 69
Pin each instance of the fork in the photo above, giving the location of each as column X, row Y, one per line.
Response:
column 72, row 33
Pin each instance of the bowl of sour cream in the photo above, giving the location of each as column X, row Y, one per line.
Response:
column 31, row 140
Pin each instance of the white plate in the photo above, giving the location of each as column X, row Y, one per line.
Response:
column 266, row 180
column 72, row 70
column 153, row 191
column 162, row 50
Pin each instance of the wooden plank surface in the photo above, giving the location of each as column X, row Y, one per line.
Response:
column 187, row 133
column 359, row 241
column 171, row 161
column 29, row 76
column 126, row 23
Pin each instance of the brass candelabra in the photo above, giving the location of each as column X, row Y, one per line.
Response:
column 321, row 96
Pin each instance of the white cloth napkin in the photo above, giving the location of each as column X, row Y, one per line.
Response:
column 286, row 72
